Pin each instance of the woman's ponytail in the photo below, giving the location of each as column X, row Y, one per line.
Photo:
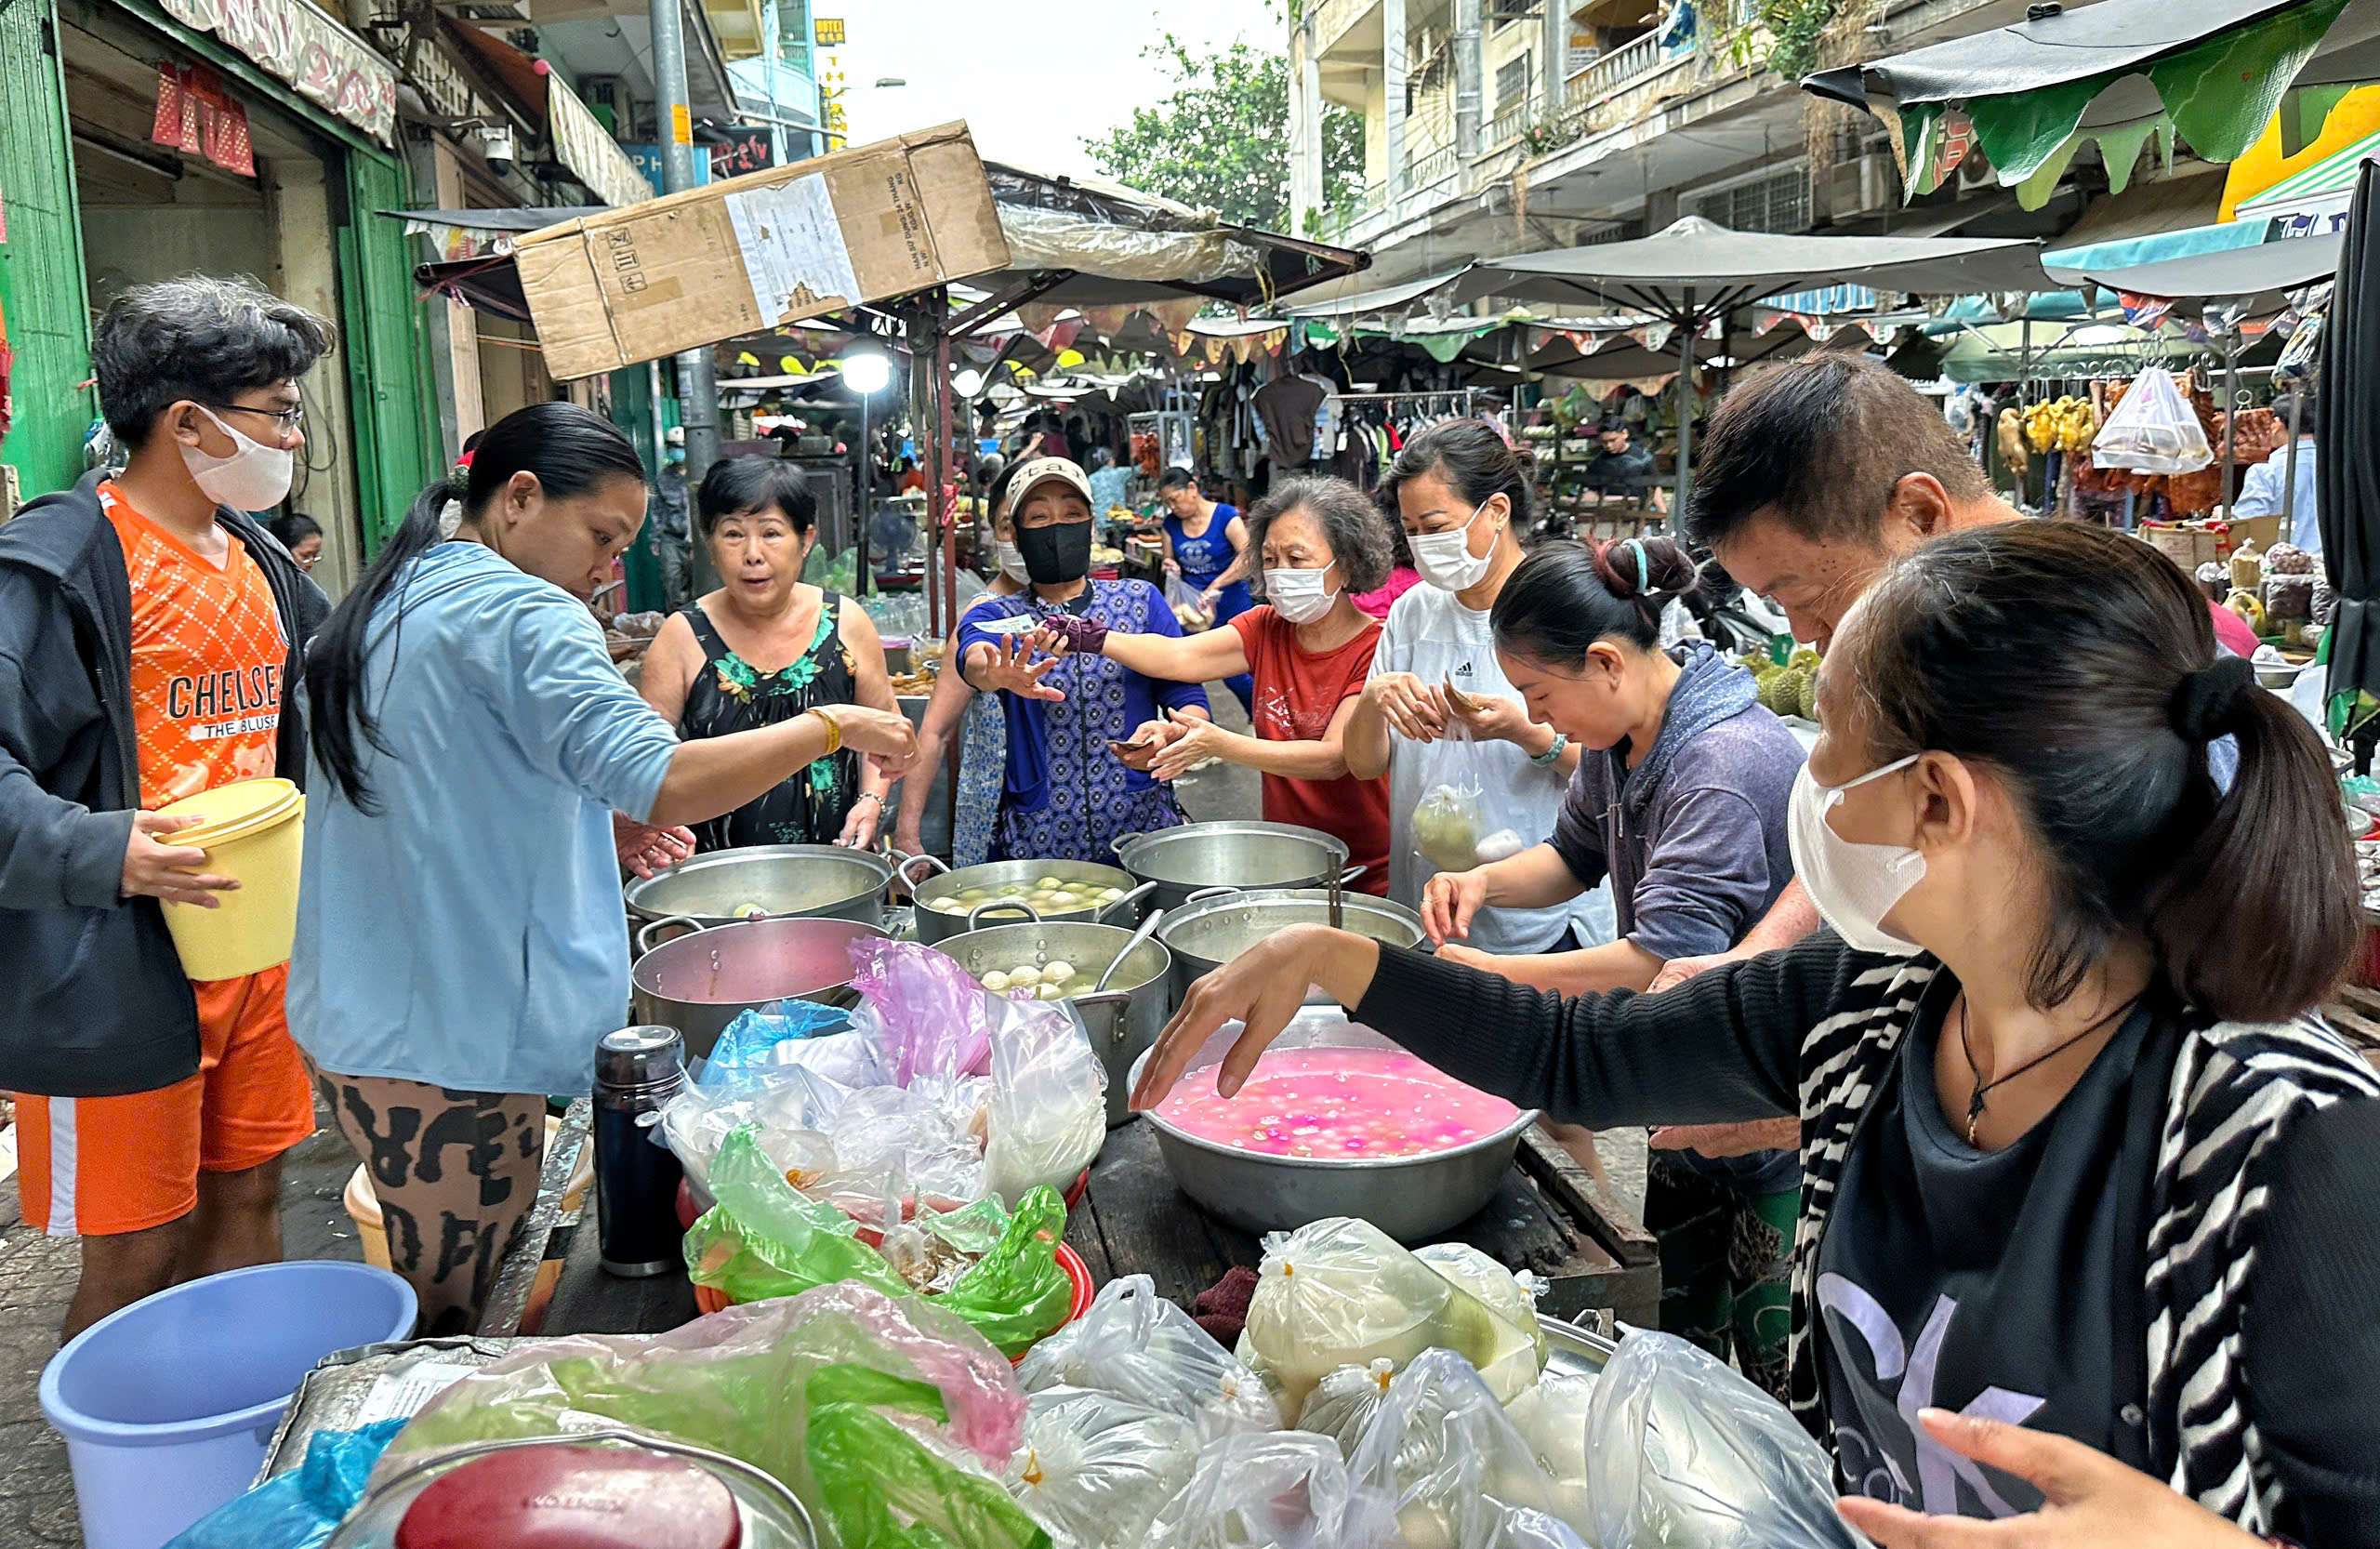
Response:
column 568, row 449
column 2254, row 915
column 335, row 659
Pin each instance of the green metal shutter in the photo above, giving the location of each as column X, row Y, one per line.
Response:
column 388, row 365
column 41, row 263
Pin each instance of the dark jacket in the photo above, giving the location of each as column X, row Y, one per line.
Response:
column 93, row 1000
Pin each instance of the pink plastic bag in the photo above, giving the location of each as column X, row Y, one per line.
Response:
column 926, row 1014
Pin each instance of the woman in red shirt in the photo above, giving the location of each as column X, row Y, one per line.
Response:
column 1320, row 543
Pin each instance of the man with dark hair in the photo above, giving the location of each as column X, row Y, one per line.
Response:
column 151, row 640
column 1818, row 473
column 1621, row 470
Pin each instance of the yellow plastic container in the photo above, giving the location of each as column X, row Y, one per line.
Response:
column 254, row 832
column 372, row 1231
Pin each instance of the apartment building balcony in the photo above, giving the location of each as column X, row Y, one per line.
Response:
column 1348, row 30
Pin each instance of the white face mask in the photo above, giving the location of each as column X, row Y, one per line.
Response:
column 1444, row 560
column 1854, row 885
column 1011, row 562
column 255, row 478
column 1297, row 595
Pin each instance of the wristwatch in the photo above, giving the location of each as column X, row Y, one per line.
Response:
column 1552, row 755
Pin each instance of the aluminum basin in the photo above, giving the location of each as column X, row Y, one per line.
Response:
column 1205, row 935
column 1185, row 860
column 821, row 881
column 1414, row 1199
column 1122, row 1021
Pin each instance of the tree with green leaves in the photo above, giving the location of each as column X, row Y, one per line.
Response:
column 1220, row 140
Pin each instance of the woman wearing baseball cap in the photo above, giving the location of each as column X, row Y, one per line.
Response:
column 1065, row 795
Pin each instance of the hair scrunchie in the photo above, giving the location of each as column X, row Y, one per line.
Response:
column 2208, row 703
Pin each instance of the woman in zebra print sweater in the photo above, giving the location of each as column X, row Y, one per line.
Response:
column 2090, row 1229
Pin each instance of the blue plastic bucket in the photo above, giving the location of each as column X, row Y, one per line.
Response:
column 167, row 1405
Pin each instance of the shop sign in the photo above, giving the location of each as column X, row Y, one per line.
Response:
column 829, row 32
column 654, row 169
column 745, row 150
column 328, row 65
column 593, row 157
column 444, row 81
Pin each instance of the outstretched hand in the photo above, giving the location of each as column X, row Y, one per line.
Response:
column 1007, row 663
column 646, row 850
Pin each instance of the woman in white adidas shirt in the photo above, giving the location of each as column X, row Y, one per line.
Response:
column 1463, row 497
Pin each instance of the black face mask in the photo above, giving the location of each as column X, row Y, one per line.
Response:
column 1057, row 554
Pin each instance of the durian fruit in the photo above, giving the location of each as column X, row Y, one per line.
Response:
column 1792, row 688
column 1807, row 707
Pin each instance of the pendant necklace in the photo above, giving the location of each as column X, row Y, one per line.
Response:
column 1983, row 1088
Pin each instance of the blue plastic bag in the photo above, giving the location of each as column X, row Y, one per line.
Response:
column 297, row 1510
column 756, row 1041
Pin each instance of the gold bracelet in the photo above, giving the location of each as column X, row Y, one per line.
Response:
column 834, row 732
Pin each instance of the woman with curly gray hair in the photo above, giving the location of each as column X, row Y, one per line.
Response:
column 1319, row 544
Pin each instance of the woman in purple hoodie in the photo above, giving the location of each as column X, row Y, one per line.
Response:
column 1680, row 798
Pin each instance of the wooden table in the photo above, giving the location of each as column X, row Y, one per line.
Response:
column 1547, row 1217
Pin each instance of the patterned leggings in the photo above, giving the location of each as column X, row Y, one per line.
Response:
column 455, row 1172
column 1724, row 1256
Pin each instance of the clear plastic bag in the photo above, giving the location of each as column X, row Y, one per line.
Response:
column 2152, row 431
column 1442, row 1447
column 1510, row 1297
column 791, row 1111
column 1449, row 823
column 1048, row 1103
column 925, row 1014
column 1096, row 1469
column 1343, row 1404
column 1189, row 606
column 745, row 1381
column 1138, row 1346
column 1685, row 1453
column 1552, row 1417
column 1341, row 1292
column 1281, row 1490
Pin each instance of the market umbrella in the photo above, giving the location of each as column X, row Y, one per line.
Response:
column 2346, row 477
column 1693, row 272
column 2265, row 272
column 2119, row 71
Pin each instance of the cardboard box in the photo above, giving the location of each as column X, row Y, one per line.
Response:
column 755, row 252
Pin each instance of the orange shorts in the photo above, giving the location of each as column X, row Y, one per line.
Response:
column 101, row 1166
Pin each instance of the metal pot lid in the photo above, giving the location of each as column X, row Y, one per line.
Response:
column 1240, row 854
column 778, row 879
column 1221, row 929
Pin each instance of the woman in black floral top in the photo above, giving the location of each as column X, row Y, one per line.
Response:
column 765, row 648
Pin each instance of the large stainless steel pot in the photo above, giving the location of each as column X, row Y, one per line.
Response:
column 699, row 982
column 1196, row 856
column 935, row 925
column 1206, row 934
column 1411, row 1198
column 781, row 881
column 1122, row 1020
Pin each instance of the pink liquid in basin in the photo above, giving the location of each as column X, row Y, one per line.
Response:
column 1347, row 1104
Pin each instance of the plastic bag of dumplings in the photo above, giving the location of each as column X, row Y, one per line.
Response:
column 1095, row 1469
column 1685, row 1453
column 1283, row 1490
column 1441, row 1446
column 1343, row 1293
column 1138, row 1346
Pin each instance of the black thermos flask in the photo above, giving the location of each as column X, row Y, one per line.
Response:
column 637, row 1070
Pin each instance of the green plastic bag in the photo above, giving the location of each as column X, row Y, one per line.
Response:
column 765, row 1238
column 883, row 1488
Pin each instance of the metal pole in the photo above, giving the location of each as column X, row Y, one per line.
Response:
column 2289, row 479
column 2231, row 420
column 867, row 500
column 945, row 608
column 697, row 381
column 1685, row 414
column 769, row 79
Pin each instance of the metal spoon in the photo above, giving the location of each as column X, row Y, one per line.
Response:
column 1148, row 929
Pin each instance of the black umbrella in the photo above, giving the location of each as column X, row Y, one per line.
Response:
column 2347, row 478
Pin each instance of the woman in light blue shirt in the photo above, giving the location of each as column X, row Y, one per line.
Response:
column 461, row 943
column 2260, row 492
